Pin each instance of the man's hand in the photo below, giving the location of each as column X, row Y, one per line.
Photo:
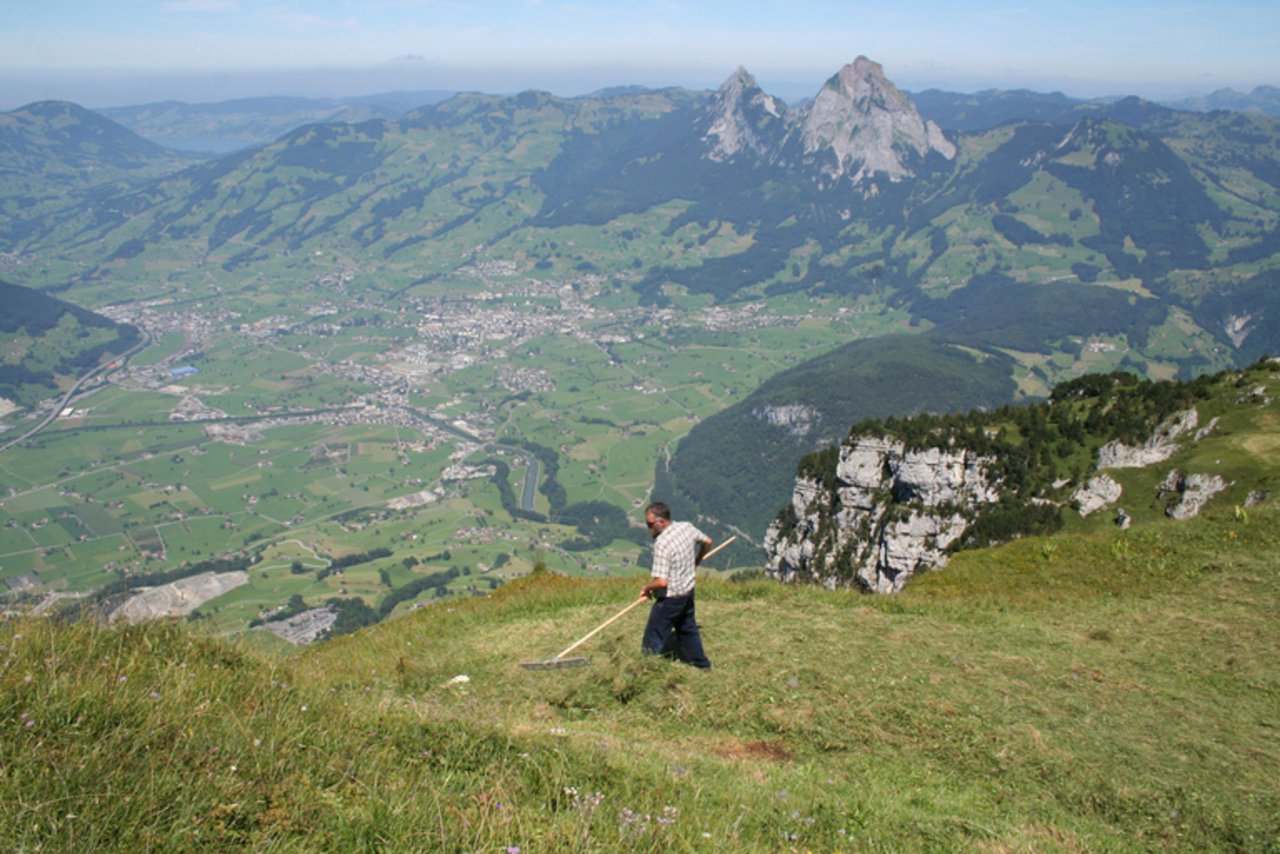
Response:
column 704, row 546
column 648, row 590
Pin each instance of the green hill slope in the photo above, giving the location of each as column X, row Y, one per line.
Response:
column 752, row 445
column 45, row 343
column 1109, row 691
column 52, row 150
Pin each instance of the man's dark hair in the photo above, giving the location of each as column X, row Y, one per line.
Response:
column 659, row 509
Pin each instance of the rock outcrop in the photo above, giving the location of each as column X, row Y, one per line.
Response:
column 1162, row 444
column 178, row 598
column 885, row 511
column 797, row 419
column 889, row 513
column 1193, row 491
column 1096, row 494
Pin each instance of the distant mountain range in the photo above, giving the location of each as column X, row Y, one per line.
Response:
column 1029, row 231
column 225, row 126
column 1262, row 99
column 992, row 107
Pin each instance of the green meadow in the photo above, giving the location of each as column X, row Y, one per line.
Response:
column 1105, row 691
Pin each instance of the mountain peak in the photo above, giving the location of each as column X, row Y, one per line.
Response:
column 869, row 126
column 742, row 117
column 860, row 77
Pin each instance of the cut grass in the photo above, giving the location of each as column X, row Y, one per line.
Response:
column 1103, row 691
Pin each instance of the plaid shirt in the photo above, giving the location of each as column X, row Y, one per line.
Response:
column 673, row 557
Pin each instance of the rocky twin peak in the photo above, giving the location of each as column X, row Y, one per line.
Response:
column 858, row 126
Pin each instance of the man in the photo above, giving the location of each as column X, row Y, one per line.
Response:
column 678, row 548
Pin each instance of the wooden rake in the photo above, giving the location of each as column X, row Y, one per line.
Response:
column 559, row 662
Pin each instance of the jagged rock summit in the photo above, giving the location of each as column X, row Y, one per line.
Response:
column 857, row 127
column 870, row 126
column 742, row 117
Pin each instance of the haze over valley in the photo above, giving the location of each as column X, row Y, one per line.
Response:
column 464, row 338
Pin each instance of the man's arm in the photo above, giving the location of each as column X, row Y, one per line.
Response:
column 654, row 584
column 704, row 546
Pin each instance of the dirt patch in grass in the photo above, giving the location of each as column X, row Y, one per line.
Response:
column 752, row 751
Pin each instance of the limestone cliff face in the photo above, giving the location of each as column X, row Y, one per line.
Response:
column 889, row 512
column 868, row 126
column 857, row 127
column 742, row 118
column 886, row 512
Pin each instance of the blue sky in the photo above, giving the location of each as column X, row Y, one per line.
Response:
column 129, row 51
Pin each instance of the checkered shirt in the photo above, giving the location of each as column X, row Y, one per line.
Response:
column 673, row 556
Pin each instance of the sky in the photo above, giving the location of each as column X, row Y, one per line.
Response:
column 103, row 53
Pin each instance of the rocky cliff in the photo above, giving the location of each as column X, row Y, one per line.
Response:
column 889, row 512
column 882, row 507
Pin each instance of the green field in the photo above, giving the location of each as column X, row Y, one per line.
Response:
column 124, row 488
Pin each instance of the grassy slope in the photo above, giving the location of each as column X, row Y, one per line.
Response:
column 1105, row 691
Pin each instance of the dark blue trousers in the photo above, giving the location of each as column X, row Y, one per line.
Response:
column 672, row 631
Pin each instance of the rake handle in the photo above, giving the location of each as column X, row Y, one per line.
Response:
column 597, row 629
column 589, row 635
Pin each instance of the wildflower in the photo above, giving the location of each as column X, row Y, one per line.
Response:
column 122, row 679
column 257, row 742
column 304, row 708
column 586, row 804
column 513, row 849
column 155, row 695
column 29, row 724
column 632, row 821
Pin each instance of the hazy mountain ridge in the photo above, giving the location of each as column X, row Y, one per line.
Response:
column 1262, row 99
column 989, row 108
column 223, row 126
column 54, row 151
